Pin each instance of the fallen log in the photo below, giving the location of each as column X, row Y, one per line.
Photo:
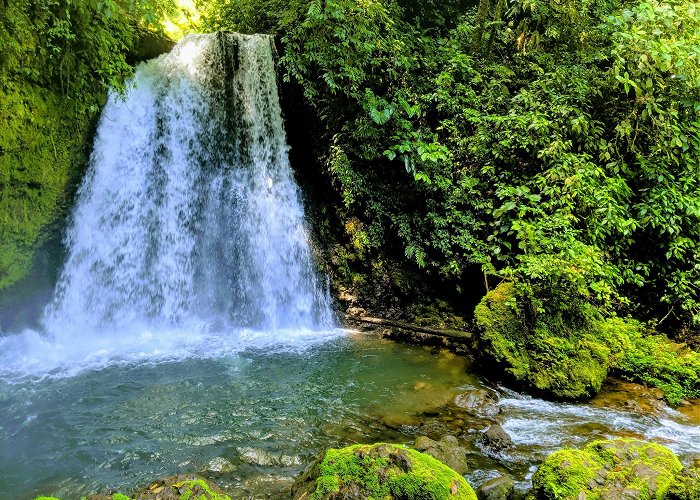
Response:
column 451, row 334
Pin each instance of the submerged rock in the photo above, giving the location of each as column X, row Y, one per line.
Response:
column 498, row 488
column 447, row 450
column 383, row 471
column 479, row 402
column 613, row 470
column 496, row 439
column 629, row 396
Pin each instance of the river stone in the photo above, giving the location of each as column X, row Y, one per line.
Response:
column 479, row 402
column 496, row 439
column 619, row 469
column 447, row 450
column 382, row 470
column 221, row 465
column 498, row 488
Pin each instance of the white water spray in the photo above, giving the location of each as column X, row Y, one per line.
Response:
column 189, row 214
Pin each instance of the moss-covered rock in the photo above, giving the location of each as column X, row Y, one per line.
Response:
column 42, row 145
column 380, row 471
column 615, row 469
column 652, row 359
column 567, row 354
column 179, row 487
column 686, row 485
column 547, row 355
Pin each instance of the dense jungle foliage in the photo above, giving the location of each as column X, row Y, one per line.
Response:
column 550, row 144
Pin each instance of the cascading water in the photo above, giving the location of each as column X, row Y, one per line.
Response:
column 189, row 207
column 189, row 214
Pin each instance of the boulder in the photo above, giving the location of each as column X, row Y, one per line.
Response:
column 619, row 469
column 686, row 485
column 495, row 439
column 149, row 44
column 555, row 357
column 383, row 471
column 498, row 488
column 447, row 450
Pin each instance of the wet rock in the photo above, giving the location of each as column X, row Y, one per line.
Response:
column 686, row 485
column 479, row 402
column 499, row 488
column 380, row 471
column 258, row 456
column 267, row 486
column 496, row 439
column 180, row 487
column 629, row 396
column 619, row 469
column 149, row 44
column 447, row 450
column 221, row 465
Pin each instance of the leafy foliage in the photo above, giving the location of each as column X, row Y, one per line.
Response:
column 531, row 138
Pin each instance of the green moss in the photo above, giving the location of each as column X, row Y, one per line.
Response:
column 686, row 485
column 198, row 489
column 565, row 473
column 606, row 468
column 549, row 355
column 653, row 360
column 120, row 496
column 383, row 471
column 567, row 356
column 47, row 498
column 41, row 148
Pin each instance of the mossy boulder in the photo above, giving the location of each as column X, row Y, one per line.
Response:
column 616, row 469
column 550, row 356
column 380, row 471
column 566, row 352
column 686, row 485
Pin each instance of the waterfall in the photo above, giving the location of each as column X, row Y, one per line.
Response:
column 189, row 209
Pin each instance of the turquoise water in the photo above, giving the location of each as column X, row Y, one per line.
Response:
column 263, row 413
column 251, row 420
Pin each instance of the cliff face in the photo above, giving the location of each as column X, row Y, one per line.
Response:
column 44, row 147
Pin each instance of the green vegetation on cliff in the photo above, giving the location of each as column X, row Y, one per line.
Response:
column 57, row 61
